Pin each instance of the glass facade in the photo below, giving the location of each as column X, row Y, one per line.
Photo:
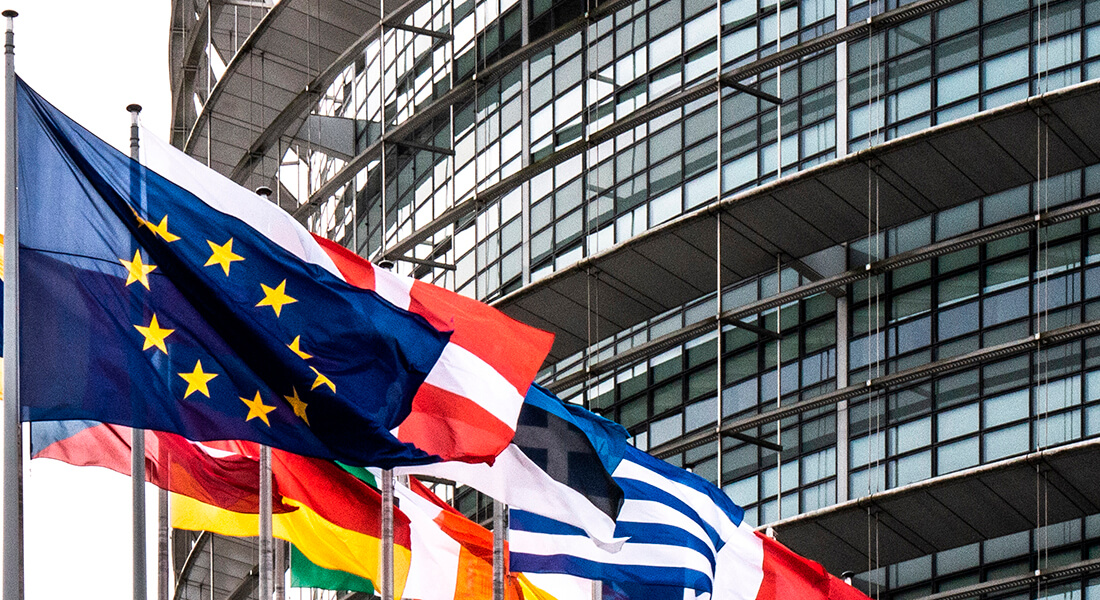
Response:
column 504, row 141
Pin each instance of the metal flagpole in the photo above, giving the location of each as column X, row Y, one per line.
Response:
column 266, row 565
column 137, row 436
column 163, row 568
column 498, row 549
column 387, row 535
column 13, row 438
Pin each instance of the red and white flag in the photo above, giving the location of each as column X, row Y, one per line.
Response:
column 468, row 406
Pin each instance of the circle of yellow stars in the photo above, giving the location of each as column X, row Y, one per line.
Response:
column 198, row 380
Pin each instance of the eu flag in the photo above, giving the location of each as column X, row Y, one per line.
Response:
column 143, row 306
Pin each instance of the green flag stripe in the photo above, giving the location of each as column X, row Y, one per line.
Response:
column 361, row 473
column 304, row 573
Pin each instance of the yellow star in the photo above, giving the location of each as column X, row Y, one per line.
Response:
column 298, row 405
column 297, row 348
column 223, row 255
column 154, row 335
column 322, row 380
column 257, row 408
column 197, row 380
column 276, row 298
column 138, row 271
column 161, row 229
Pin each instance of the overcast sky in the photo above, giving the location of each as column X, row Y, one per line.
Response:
column 90, row 58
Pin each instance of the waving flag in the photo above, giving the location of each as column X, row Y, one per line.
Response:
column 303, row 573
column 225, row 480
column 144, row 306
column 337, row 524
column 556, row 467
column 452, row 557
column 468, row 405
column 683, row 533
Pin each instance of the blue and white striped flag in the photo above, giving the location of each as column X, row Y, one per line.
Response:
column 683, row 533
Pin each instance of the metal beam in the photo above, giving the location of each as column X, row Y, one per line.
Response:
column 425, row 262
column 949, row 365
column 420, row 146
column 248, row 3
column 650, row 111
column 757, row 441
column 1044, row 576
column 247, row 585
column 642, row 115
column 811, row 273
column 887, row 19
column 758, row 330
column 201, row 543
column 731, row 82
column 419, row 30
column 835, row 282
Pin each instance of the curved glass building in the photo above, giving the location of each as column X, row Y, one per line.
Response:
column 840, row 257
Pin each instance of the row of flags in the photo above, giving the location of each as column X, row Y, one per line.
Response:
column 161, row 296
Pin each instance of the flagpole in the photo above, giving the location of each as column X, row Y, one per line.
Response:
column 498, row 549
column 13, row 435
column 265, row 523
column 266, row 534
column 137, row 436
column 387, row 534
column 163, row 568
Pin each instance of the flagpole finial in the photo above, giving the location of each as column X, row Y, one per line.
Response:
column 11, row 14
column 134, row 110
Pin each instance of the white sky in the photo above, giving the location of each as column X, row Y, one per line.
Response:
column 90, row 58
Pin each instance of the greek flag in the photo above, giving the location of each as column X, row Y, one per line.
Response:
column 683, row 533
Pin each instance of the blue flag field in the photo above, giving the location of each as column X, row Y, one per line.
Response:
column 143, row 306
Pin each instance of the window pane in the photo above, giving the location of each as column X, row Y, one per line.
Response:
column 912, row 468
column 1005, row 375
column 911, row 303
column 961, row 287
column 1005, row 408
column 955, row 389
column 1005, row 442
column 1005, row 274
column 958, row 321
column 1005, row 69
column 957, row 85
column 956, row 456
column 956, row 422
column 910, row 436
column 1005, row 307
column 958, row 18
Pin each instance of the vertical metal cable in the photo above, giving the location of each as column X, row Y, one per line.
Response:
column 718, row 242
column 779, row 385
column 1042, row 318
column 382, row 117
column 453, row 199
column 209, row 74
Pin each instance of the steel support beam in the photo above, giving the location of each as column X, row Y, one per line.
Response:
column 835, row 282
column 940, row 367
column 424, row 262
column 394, row 24
column 733, row 83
